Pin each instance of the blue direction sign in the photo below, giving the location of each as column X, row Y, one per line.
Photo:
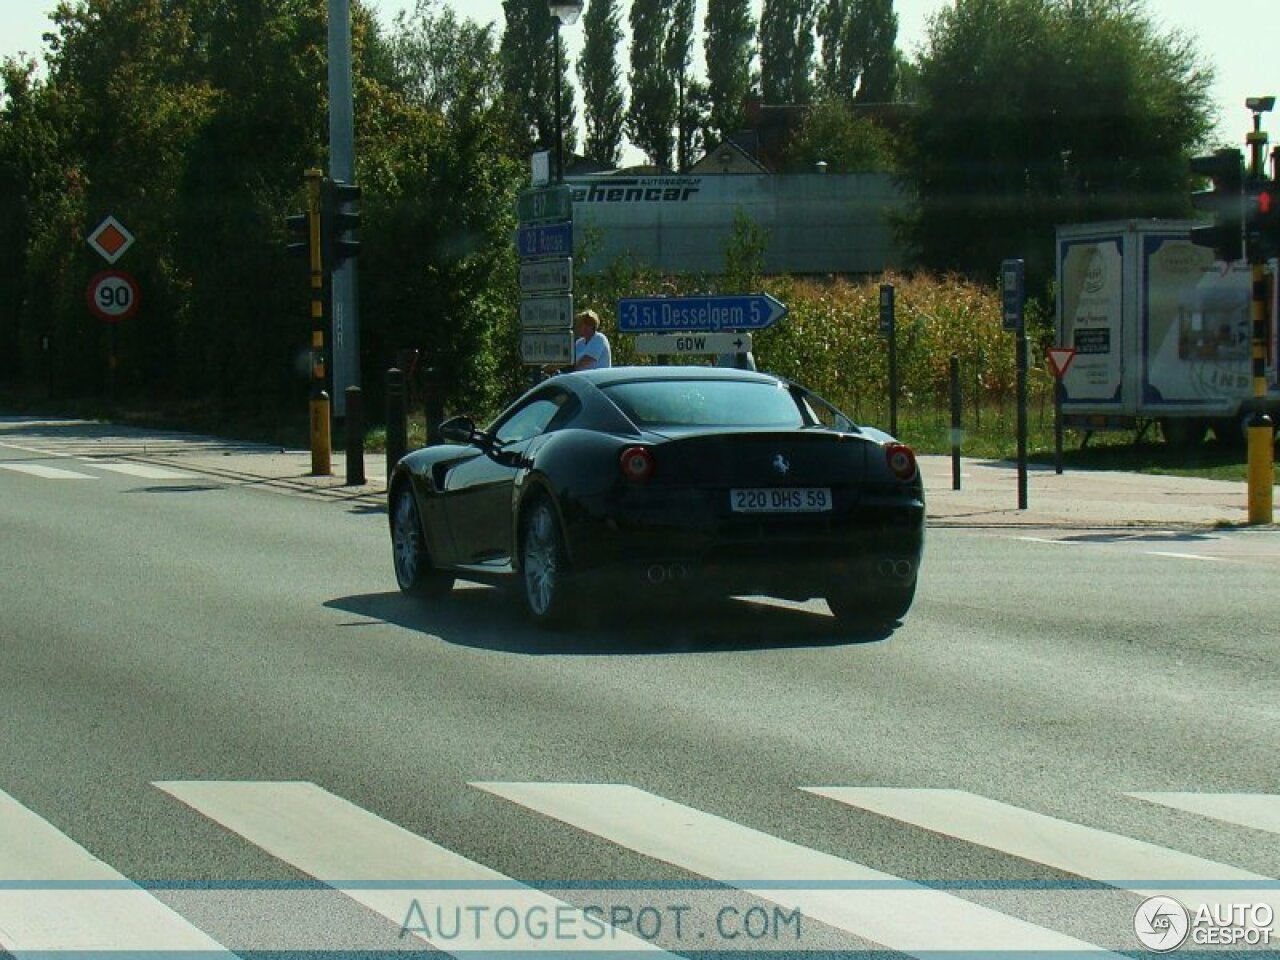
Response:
column 545, row 240
column 754, row 311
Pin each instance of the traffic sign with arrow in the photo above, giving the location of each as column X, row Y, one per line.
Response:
column 755, row 311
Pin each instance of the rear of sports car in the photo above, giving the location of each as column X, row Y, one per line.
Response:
column 796, row 513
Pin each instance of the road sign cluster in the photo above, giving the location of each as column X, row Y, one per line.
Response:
column 112, row 295
column 545, row 244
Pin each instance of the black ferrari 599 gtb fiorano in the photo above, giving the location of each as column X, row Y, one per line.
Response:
column 649, row 478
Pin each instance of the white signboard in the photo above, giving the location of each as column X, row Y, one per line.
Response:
column 547, row 276
column 678, row 343
column 546, row 313
column 540, row 168
column 547, row 347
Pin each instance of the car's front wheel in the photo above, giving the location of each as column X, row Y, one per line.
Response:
column 414, row 571
column 544, row 566
column 884, row 607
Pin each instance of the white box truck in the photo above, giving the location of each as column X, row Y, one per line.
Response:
column 1162, row 334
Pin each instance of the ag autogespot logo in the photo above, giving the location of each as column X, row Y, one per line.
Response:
column 1161, row 924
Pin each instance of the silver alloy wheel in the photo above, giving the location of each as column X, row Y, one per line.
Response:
column 406, row 541
column 541, row 560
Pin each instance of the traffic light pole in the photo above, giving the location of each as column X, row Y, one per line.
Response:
column 321, row 443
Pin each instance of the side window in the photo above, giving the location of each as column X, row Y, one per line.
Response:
column 821, row 413
column 534, row 418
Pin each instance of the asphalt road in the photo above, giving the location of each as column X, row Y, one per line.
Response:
column 172, row 643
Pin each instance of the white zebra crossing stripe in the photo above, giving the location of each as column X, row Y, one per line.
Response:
column 144, row 471
column 56, row 896
column 1260, row 811
column 1123, row 862
column 389, row 870
column 46, row 472
column 892, row 912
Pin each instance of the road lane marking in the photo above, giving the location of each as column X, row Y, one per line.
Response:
column 1119, row 861
column 888, row 911
column 388, row 869
column 46, row 472
column 142, row 470
column 57, row 896
column 1260, row 811
column 1187, row 556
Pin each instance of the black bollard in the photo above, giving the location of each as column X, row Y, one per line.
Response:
column 355, row 437
column 957, row 431
column 397, row 419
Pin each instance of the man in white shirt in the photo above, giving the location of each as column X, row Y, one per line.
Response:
column 591, row 350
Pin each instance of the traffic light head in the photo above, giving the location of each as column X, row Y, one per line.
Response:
column 1263, row 221
column 1225, row 169
column 339, row 222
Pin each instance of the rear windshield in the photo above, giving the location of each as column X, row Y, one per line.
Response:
column 705, row 403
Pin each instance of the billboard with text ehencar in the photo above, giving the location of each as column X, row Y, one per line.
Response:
column 813, row 223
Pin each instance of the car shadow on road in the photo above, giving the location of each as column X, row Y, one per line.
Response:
column 488, row 619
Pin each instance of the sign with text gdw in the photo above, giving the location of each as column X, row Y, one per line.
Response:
column 756, row 311
column 664, row 344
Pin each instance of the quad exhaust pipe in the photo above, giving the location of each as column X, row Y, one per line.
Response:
column 666, row 572
column 891, row 568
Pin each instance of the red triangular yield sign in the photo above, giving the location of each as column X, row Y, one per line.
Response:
column 1060, row 359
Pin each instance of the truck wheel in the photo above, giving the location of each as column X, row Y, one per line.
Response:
column 1186, row 433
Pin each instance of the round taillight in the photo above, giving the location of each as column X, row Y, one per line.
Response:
column 636, row 463
column 901, row 460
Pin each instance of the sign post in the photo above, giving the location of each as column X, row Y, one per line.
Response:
column 889, row 332
column 1059, row 362
column 1013, row 298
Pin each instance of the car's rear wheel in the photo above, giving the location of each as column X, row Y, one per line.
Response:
column 544, row 566
column 414, row 571
column 884, row 607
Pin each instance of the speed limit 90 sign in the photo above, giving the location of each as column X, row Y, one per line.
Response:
column 113, row 296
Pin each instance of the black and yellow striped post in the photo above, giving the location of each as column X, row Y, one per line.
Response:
column 321, row 440
column 1260, row 428
column 1261, row 469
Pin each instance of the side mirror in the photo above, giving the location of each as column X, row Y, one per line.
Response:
column 458, row 430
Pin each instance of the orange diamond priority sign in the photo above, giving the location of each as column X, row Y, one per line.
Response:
column 110, row 239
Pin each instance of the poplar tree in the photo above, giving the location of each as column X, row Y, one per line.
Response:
column 527, row 55
column 859, row 50
column 652, row 116
column 728, row 45
column 787, row 47
column 603, row 102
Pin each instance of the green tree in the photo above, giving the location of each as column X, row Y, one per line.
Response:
column 729, row 36
column 652, row 117
column 1039, row 112
column 859, row 49
column 442, row 62
column 603, row 102
column 833, row 134
column 787, row 45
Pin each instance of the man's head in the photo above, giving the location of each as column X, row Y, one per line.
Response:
column 588, row 322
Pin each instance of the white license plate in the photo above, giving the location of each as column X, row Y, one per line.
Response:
column 780, row 499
